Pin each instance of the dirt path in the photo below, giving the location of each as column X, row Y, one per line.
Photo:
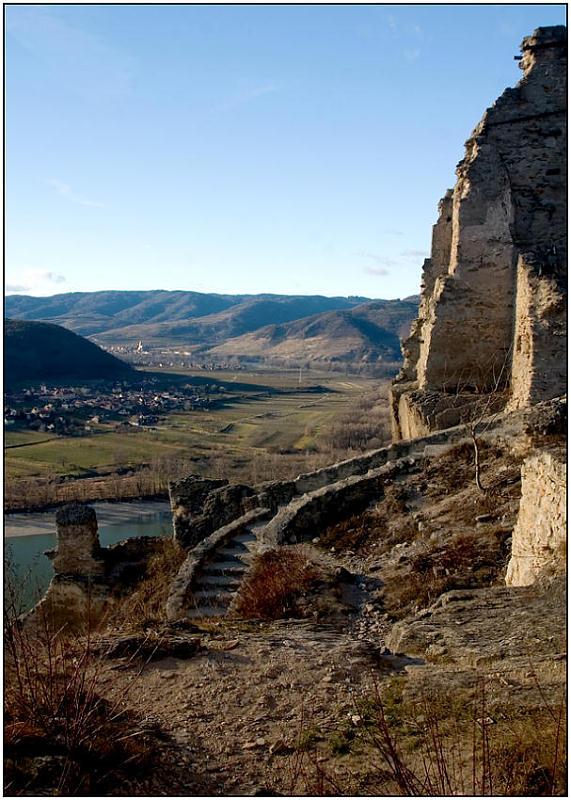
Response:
column 236, row 711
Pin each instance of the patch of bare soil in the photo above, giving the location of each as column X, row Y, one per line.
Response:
column 259, row 708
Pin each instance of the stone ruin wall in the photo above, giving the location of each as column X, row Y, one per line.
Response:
column 540, row 534
column 88, row 579
column 492, row 310
column 539, row 366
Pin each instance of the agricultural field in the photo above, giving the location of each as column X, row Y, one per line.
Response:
column 268, row 425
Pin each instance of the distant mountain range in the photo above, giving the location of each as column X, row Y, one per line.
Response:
column 35, row 352
column 109, row 312
column 216, row 327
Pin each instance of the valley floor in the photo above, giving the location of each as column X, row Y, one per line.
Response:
column 275, row 429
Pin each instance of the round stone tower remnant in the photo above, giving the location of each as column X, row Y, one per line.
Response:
column 78, row 549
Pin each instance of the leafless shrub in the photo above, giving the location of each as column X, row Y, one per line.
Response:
column 64, row 734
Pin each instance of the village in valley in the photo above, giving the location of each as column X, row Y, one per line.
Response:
column 79, row 410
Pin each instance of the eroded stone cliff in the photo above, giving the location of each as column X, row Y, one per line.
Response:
column 491, row 320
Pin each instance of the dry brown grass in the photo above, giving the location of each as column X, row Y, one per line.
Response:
column 374, row 529
column 278, row 581
column 435, row 744
column 65, row 733
column 462, row 561
column 146, row 602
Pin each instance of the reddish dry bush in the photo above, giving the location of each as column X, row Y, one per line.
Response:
column 276, row 583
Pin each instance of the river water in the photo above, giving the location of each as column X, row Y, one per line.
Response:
column 27, row 536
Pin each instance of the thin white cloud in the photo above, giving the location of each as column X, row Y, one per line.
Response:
column 376, row 257
column 381, row 263
column 252, row 93
column 16, row 288
column 393, row 232
column 392, row 23
column 35, row 281
column 82, row 62
column 65, row 190
column 411, row 54
column 54, row 277
column 42, row 275
column 414, row 254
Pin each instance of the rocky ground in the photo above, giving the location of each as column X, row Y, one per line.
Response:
column 414, row 612
column 276, row 707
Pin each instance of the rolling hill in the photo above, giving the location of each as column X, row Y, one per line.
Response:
column 160, row 315
column 368, row 333
column 40, row 351
column 214, row 327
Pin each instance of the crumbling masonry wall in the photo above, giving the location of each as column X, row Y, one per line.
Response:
column 88, row 578
column 492, row 311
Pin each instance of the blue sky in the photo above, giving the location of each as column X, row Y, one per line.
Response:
column 242, row 149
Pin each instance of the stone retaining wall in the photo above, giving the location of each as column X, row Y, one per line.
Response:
column 306, row 517
column 540, row 534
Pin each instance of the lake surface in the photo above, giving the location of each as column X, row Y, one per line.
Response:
column 27, row 536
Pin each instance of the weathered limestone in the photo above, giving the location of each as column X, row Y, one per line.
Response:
column 540, row 534
column 187, row 497
column 88, row 578
column 491, row 315
column 539, row 365
column 71, row 602
column 78, row 550
column 504, row 629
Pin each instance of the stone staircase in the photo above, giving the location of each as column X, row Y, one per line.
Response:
column 215, row 584
column 208, row 581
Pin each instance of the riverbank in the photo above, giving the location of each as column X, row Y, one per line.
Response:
column 31, row 495
column 108, row 513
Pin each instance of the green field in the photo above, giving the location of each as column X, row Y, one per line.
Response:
column 249, row 424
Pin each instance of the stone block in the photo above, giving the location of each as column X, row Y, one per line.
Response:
column 78, row 548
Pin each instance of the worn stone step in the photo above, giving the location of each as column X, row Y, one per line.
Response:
column 206, row 611
column 245, row 538
column 220, row 580
column 218, row 595
column 230, row 568
column 255, row 527
column 233, row 551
